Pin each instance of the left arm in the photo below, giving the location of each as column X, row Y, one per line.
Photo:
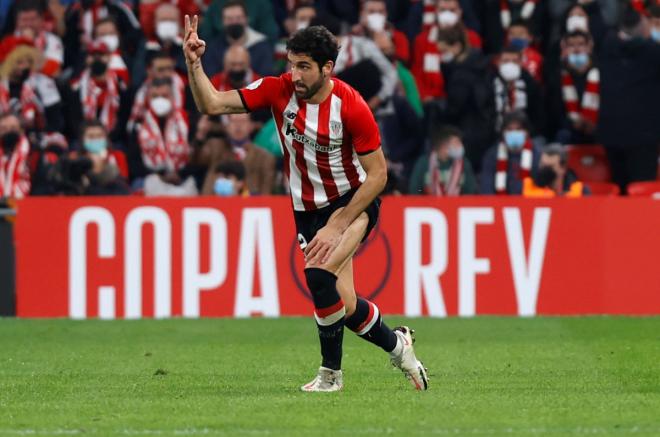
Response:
column 327, row 238
column 375, row 166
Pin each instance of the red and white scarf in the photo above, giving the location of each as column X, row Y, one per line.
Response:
column 89, row 18
column 140, row 101
column 452, row 186
column 503, row 165
column 168, row 150
column 104, row 98
column 526, row 12
column 27, row 106
column 429, row 14
column 587, row 108
column 14, row 171
column 509, row 96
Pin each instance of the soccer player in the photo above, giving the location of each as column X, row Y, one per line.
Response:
column 336, row 170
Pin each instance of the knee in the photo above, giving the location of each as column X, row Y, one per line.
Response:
column 320, row 282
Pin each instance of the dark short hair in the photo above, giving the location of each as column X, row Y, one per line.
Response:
column 442, row 134
column 161, row 81
column 153, row 55
column 519, row 22
column 235, row 3
column 629, row 20
column 578, row 34
column 232, row 168
column 453, row 35
column 105, row 21
column 30, row 5
column 316, row 42
column 556, row 149
column 512, row 49
column 89, row 124
column 517, row 116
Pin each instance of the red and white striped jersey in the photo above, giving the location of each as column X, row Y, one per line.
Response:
column 320, row 142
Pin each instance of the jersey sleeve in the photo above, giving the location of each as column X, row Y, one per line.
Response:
column 261, row 93
column 362, row 127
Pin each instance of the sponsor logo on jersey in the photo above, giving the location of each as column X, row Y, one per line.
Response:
column 254, row 85
column 292, row 132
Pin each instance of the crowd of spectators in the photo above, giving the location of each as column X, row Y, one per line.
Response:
column 471, row 96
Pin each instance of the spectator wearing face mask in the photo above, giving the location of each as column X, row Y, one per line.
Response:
column 237, row 32
column 161, row 67
column 300, row 17
column 107, row 169
column 81, row 18
column 374, row 23
column 14, row 171
column 24, row 91
column 30, row 25
column 146, row 11
column 427, row 54
column 258, row 163
column 98, row 94
column 229, row 180
column 444, row 171
column 106, row 32
column 259, row 13
column 515, row 158
column 591, row 16
column 470, row 102
column 167, row 35
column 628, row 125
column 162, row 138
column 521, row 38
column 553, row 177
column 574, row 92
column 516, row 90
column 498, row 16
column 237, row 72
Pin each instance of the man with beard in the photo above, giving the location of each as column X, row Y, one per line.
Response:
column 336, row 169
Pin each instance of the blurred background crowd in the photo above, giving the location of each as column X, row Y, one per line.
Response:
column 471, row 96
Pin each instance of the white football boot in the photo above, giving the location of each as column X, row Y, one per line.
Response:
column 326, row 380
column 403, row 357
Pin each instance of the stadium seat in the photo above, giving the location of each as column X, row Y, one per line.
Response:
column 589, row 162
column 644, row 189
column 603, row 188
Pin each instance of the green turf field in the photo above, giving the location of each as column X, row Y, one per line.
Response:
column 490, row 376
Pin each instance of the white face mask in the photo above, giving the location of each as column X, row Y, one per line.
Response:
column 577, row 22
column 447, row 57
column 161, row 106
column 300, row 25
column 509, row 71
column 376, row 22
column 447, row 18
column 167, row 30
column 111, row 41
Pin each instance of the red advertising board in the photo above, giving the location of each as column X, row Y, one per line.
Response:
column 134, row 257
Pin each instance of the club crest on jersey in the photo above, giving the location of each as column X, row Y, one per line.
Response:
column 336, row 128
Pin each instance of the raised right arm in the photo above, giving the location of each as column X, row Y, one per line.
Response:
column 208, row 100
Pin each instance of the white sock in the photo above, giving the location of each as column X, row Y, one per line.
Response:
column 398, row 348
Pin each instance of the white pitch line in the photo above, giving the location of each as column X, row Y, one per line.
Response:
column 586, row 430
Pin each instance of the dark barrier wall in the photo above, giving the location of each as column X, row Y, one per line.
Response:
column 7, row 277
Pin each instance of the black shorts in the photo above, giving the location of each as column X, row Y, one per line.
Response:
column 309, row 222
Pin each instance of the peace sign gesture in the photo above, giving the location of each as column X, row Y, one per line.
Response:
column 193, row 47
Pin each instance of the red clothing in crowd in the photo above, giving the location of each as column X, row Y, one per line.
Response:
column 426, row 62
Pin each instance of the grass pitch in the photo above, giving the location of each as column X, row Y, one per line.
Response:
column 490, row 376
